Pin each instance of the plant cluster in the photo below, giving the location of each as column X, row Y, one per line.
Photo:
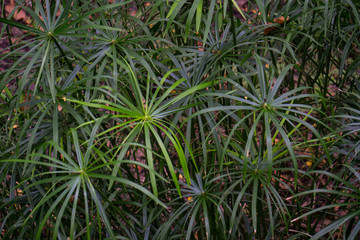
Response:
column 179, row 119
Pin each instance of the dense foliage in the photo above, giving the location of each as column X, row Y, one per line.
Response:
column 165, row 119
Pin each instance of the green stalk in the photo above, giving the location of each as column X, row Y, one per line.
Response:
column 232, row 21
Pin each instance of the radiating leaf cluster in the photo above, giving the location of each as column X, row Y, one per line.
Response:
column 178, row 119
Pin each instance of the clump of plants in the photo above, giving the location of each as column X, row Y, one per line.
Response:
column 180, row 119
